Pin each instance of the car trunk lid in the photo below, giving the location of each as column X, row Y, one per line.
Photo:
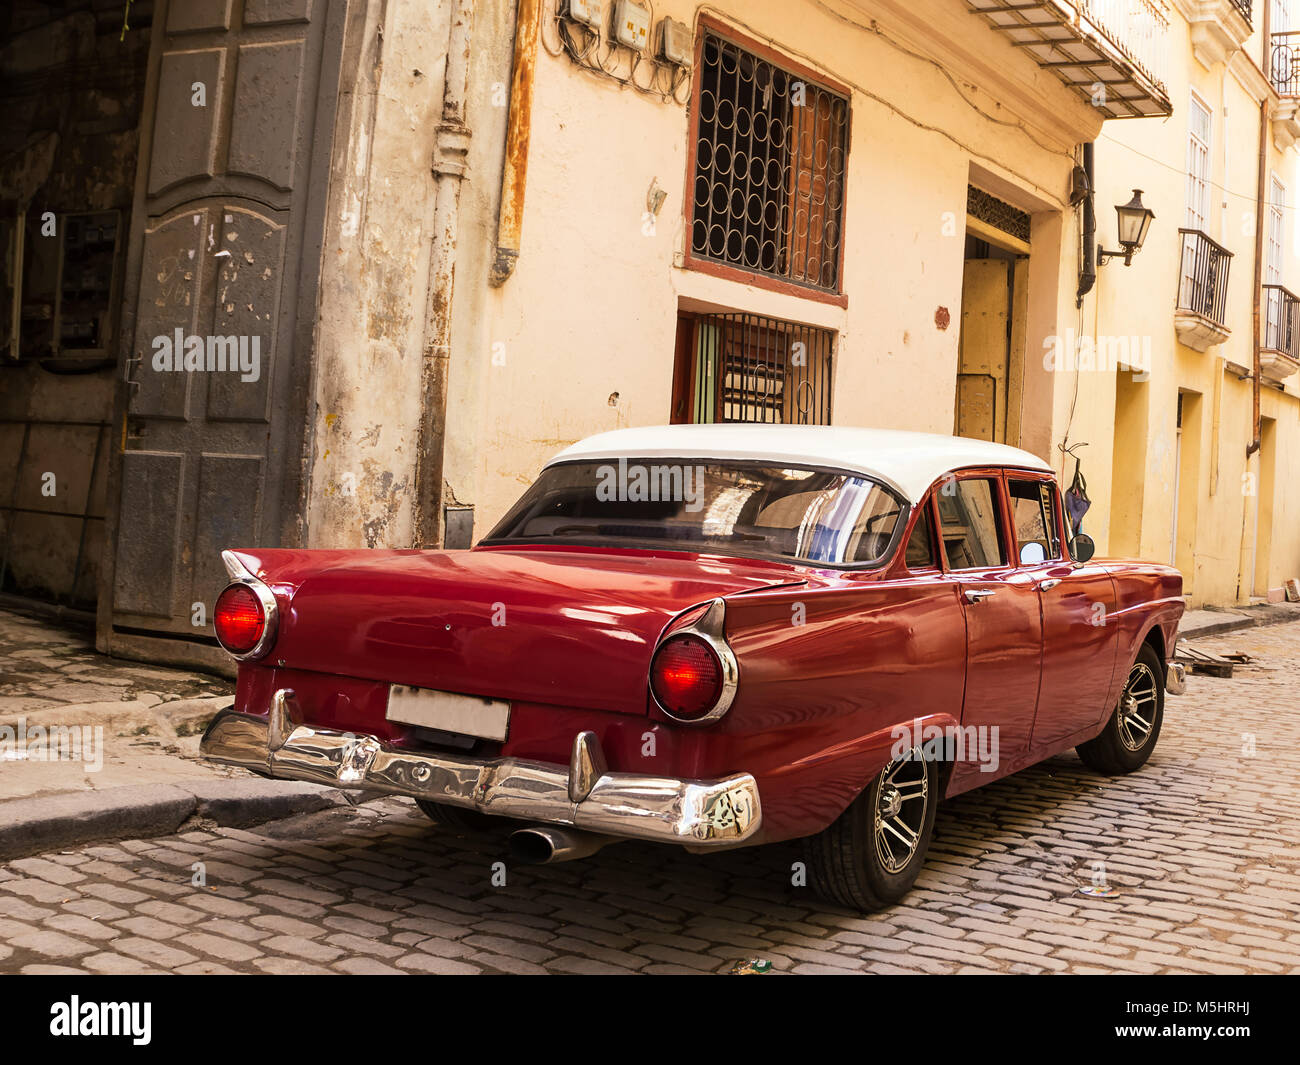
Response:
column 575, row 628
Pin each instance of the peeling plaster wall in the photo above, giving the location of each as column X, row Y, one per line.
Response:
column 370, row 330
column 473, row 328
column 372, row 327
column 71, row 89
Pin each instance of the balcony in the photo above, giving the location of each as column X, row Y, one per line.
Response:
column 1120, row 45
column 1284, row 63
column 1218, row 28
column 1280, row 356
column 1284, row 73
column 1201, row 317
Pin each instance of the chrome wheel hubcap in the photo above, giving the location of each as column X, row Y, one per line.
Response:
column 901, row 802
column 1136, row 713
column 891, row 801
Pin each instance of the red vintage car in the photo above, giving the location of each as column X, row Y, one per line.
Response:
column 712, row 636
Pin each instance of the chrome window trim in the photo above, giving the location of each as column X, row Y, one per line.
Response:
column 240, row 574
column 708, row 627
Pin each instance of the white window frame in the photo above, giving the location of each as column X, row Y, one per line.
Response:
column 1281, row 17
column 1276, row 230
column 1199, row 153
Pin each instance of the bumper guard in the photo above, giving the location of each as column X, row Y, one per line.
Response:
column 1175, row 678
column 695, row 813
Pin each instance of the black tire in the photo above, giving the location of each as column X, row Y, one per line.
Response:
column 457, row 820
column 845, row 861
column 1132, row 730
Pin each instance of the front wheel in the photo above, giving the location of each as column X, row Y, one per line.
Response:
column 872, row 854
column 1130, row 734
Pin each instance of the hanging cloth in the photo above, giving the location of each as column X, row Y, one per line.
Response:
column 1076, row 499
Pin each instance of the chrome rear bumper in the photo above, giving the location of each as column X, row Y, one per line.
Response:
column 1175, row 678
column 695, row 813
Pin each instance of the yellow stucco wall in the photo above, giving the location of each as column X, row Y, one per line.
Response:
column 1216, row 524
column 584, row 330
column 581, row 338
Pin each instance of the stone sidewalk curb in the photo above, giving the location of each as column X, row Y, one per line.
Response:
column 1247, row 617
column 33, row 826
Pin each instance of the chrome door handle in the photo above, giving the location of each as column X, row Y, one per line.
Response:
column 1048, row 585
column 977, row 595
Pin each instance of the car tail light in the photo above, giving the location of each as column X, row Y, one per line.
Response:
column 694, row 674
column 245, row 615
column 239, row 619
column 686, row 677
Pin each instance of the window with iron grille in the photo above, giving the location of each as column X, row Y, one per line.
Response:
column 769, row 168
column 748, row 368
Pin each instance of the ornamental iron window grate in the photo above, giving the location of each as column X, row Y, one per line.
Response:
column 997, row 213
column 749, row 368
column 769, row 168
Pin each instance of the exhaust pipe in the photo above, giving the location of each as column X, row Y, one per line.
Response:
column 546, row 844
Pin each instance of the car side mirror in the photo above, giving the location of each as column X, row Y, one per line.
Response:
column 1082, row 547
column 1032, row 553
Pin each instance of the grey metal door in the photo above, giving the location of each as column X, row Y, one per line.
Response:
column 223, row 266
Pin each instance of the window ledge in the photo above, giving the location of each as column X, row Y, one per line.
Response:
column 1198, row 331
column 727, row 272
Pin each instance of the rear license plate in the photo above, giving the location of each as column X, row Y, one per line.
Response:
column 468, row 715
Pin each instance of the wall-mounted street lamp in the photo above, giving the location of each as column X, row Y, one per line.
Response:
column 1134, row 221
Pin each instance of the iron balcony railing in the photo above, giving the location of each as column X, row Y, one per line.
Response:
column 1203, row 287
column 1122, row 46
column 1284, row 63
column 1282, row 320
column 1138, row 28
column 1244, row 7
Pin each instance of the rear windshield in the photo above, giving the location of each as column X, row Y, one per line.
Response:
column 737, row 508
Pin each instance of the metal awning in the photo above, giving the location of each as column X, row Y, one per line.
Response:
column 1119, row 45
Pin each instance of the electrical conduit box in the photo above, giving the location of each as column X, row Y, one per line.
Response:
column 675, row 42
column 585, row 11
column 631, row 25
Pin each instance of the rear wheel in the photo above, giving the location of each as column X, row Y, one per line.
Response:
column 1130, row 735
column 870, row 857
column 456, row 819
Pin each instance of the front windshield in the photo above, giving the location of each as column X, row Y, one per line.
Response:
column 734, row 507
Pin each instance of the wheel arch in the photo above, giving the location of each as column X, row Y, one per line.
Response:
column 1155, row 637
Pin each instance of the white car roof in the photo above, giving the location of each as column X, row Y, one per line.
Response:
column 907, row 462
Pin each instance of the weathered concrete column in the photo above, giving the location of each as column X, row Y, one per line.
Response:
column 450, row 150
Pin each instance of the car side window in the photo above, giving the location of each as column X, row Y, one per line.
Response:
column 920, row 545
column 972, row 526
column 874, row 529
column 1033, row 514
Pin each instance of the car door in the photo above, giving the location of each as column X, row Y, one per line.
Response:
column 1004, row 633
column 1078, row 599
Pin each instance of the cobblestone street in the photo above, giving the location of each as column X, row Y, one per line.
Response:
column 1202, row 846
